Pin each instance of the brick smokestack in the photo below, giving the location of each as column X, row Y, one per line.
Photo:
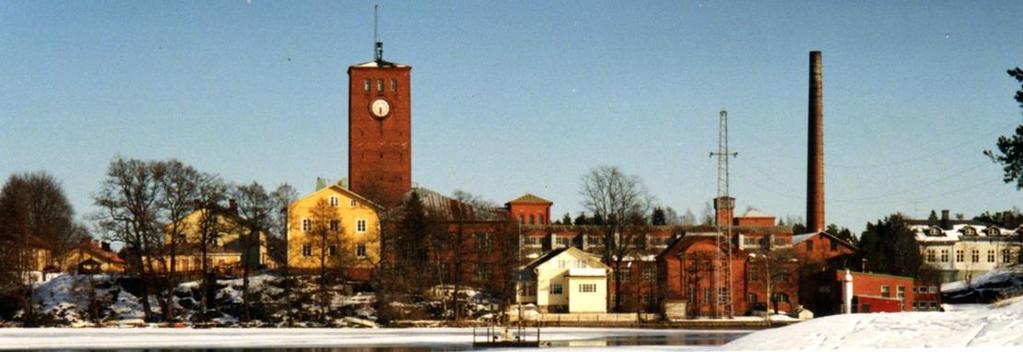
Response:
column 815, row 149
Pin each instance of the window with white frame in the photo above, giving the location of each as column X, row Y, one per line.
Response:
column 975, row 255
column 587, row 288
column 944, row 256
column 307, row 250
column 360, row 250
column 335, row 225
column 991, row 256
column 352, row 203
column 885, row 292
column 959, row 256
column 930, row 255
column 334, row 201
column 556, row 289
column 1005, row 256
column 360, row 225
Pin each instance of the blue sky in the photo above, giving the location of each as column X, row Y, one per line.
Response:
column 522, row 97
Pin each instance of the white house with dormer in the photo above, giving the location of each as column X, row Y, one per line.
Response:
column 964, row 249
column 564, row 280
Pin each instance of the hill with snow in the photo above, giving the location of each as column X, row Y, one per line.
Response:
column 993, row 285
column 998, row 325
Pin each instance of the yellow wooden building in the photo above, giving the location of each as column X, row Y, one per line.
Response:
column 226, row 248
column 91, row 256
column 339, row 224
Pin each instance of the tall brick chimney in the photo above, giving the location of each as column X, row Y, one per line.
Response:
column 815, row 149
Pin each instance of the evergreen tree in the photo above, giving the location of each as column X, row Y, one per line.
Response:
column 581, row 219
column 567, row 219
column 842, row 233
column 658, row 217
column 1010, row 149
column 890, row 247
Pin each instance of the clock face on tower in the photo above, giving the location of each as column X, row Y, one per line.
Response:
column 380, row 108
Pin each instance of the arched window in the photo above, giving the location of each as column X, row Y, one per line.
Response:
column 532, row 221
column 969, row 231
column 541, row 220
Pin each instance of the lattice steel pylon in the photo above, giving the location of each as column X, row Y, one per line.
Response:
column 723, row 202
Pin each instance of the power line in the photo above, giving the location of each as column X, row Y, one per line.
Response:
column 914, row 188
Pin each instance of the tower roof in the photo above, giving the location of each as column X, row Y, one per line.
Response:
column 379, row 63
column 530, row 198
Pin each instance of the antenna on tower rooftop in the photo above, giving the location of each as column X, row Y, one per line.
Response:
column 378, row 47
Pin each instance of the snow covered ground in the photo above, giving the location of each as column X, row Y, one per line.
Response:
column 975, row 327
column 98, row 338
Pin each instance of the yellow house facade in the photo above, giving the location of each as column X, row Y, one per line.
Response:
column 565, row 280
column 225, row 251
column 335, row 227
column 93, row 256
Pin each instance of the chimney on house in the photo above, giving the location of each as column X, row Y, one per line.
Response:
column 815, row 149
column 945, row 224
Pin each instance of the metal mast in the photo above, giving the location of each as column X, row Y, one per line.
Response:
column 724, row 202
column 378, row 47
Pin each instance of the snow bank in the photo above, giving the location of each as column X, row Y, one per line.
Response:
column 997, row 283
column 996, row 325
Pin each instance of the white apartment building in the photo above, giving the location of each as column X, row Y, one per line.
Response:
column 964, row 249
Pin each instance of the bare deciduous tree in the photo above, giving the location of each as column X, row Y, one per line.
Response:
column 178, row 191
column 129, row 199
column 622, row 202
column 33, row 213
column 326, row 230
column 211, row 192
column 255, row 209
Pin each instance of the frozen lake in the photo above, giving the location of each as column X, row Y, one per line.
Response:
column 324, row 340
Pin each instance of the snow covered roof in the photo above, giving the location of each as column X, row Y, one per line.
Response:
column 753, row 213
column 802, row 237
column 380, row 63
column 934, row 233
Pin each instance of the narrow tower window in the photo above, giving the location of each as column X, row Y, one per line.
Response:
column 394, row 85
column 380, row 85
column 365, row 85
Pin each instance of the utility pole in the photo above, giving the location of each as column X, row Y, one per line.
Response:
column 724, row 202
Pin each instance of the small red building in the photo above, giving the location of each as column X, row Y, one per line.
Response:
column 926, row 296
column 871, row 293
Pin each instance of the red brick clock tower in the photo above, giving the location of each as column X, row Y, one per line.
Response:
column 379, row 129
